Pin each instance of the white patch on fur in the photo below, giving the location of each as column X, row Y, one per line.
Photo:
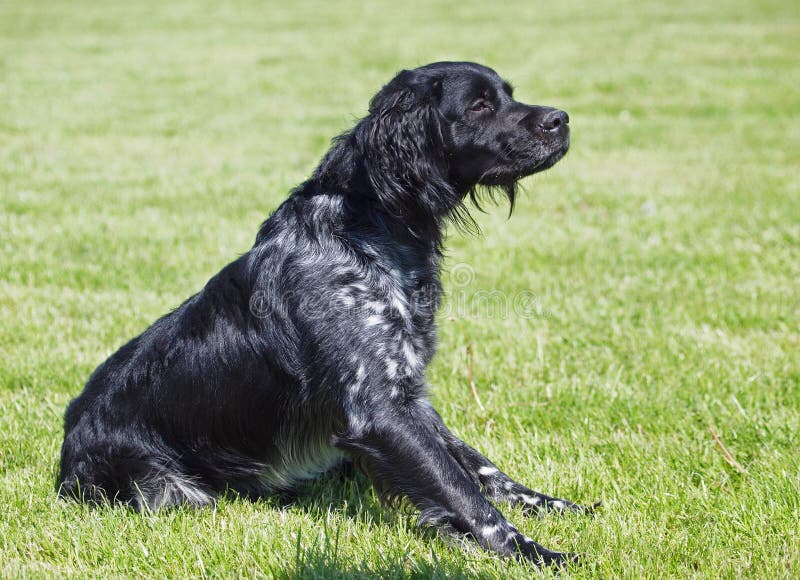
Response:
column 400, row 307
column 411, row 356
column 188, row 490
column 558, row 504
column 487, row 531
column 374, row 320
column 486, row 470
column 171, row 489
column 399, row 302
column 391, row 368
column 354, row 388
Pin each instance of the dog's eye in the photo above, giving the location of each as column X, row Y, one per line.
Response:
column 480, row 106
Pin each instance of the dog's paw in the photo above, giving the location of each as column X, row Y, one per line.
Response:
column 541, row 556
column 548, row 505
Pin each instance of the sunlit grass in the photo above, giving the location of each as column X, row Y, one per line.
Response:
column 141, row 144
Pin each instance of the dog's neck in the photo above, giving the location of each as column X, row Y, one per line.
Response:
column 412, row 193
column 351, row 210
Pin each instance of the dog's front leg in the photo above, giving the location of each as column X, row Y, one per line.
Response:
column 399, row 443
column 500, row 487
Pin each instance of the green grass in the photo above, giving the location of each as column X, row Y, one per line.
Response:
column 141, row 144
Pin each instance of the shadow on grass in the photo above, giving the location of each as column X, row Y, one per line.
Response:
column 350, row 493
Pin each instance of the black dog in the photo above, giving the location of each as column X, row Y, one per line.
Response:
column 311, row 347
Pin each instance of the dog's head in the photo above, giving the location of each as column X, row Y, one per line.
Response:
column 437, row 133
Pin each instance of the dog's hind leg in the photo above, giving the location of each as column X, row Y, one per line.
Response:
column 403, row 453
column 500, row 487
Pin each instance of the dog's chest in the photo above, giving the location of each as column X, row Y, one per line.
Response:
column 399, row 318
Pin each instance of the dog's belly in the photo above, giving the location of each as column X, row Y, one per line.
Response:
column 300, row 457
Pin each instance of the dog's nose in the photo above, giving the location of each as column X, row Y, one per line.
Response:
column 553, row 120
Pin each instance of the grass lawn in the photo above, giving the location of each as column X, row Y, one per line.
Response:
column 143, row 142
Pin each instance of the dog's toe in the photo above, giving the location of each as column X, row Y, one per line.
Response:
column 559, row 506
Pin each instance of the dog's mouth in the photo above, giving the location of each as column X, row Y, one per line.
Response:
column 551, row 159
column 518, row 168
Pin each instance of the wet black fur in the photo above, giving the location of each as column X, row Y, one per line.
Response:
column 311, row 347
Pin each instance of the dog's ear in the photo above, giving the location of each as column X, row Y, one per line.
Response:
column 408, row 89
column 403, row 147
